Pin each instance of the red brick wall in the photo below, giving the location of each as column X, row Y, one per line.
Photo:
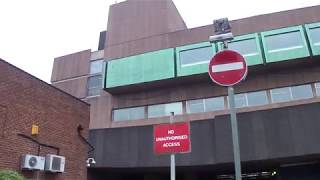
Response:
column 26, row 100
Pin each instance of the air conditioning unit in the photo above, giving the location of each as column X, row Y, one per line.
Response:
column 55, row 163
column 31, row 162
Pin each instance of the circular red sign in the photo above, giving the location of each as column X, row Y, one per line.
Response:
column 227, row 68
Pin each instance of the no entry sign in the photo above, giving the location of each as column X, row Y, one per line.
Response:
column 171, row 138
column 227, row 68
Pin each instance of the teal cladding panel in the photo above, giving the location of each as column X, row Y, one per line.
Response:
column 194, row 68
column 141, row 68
column 282, row 37
column 249, row 46
column 313, row 31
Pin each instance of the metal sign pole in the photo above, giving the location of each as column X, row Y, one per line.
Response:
column 235, row 136
column 234, row 128
column 172, row 157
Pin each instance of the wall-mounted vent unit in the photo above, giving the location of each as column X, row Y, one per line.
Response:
column 55, row 163
column 31, row 162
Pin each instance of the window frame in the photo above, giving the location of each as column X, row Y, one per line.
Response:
column 253, row 59
column 88, row 88
column 288, row 54
column 195, row 68
column 128, row 113
column 315, row 48
column 148, row 110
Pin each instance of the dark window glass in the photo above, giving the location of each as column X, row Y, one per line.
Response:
column 257, row 98
column 315, row 36
column 128, row 114
column 96, row 67
column 246, row 47
column 94, row 85
column 196, row 56
column 285, row 41
column 301, row 92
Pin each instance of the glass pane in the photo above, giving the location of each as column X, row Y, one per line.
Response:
column 257, row 98
column 317, row 85
column 283, row 42
column 120, row 115
column 195, row 106
column 315, row 35
column 240, row 100
column 94, row 85
column 164, row 109
column 214, row 104
column 136, row 113
column 95, row 81
column 174, row 107
column 196, row 56
column 301, row 92
column 280, row 95
column 245, row 47
column 96, row 67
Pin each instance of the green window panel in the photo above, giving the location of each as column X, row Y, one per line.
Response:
column 313, row 31
column 249, row 46
column 284, row 44
column 194, row 58
column 141, row 68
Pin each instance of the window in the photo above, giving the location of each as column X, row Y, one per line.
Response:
column 291, row 93
column 257, row 98
column 317, row 86
column 240, row 100
column 245, row 47
column 195, row 106
column 315, row 36
column 164, row 109
column 205, row 105
column 301, row 92
column 196, row 56
column 94, row 85
column 128, row 114
column 96, row 67
column 284, row 42
column 280, row 95
column 214, row 104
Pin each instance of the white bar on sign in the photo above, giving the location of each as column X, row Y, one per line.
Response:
column 227, row 67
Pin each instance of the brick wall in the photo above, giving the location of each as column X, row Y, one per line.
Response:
column 26, row 100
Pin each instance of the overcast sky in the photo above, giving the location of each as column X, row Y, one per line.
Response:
column 33, row 32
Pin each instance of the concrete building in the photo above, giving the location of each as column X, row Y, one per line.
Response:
column 149, row 63
column 28, row 101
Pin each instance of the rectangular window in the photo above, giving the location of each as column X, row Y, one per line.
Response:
column 245, row 47
column 96, row 67
column 240, row 100
column 205, row 105
column 128, row 114
column 214, row 104
column 94, row 85
column 280, row 95
column 284, row 42
column 196, row 56
column 164, row 109
column 317, row 86
column 195, row 106
column 315, row 36
column 301, row 92
column 257, row 98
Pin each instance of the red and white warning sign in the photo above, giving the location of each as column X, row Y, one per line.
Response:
column 227, row 68
column 171, row 138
